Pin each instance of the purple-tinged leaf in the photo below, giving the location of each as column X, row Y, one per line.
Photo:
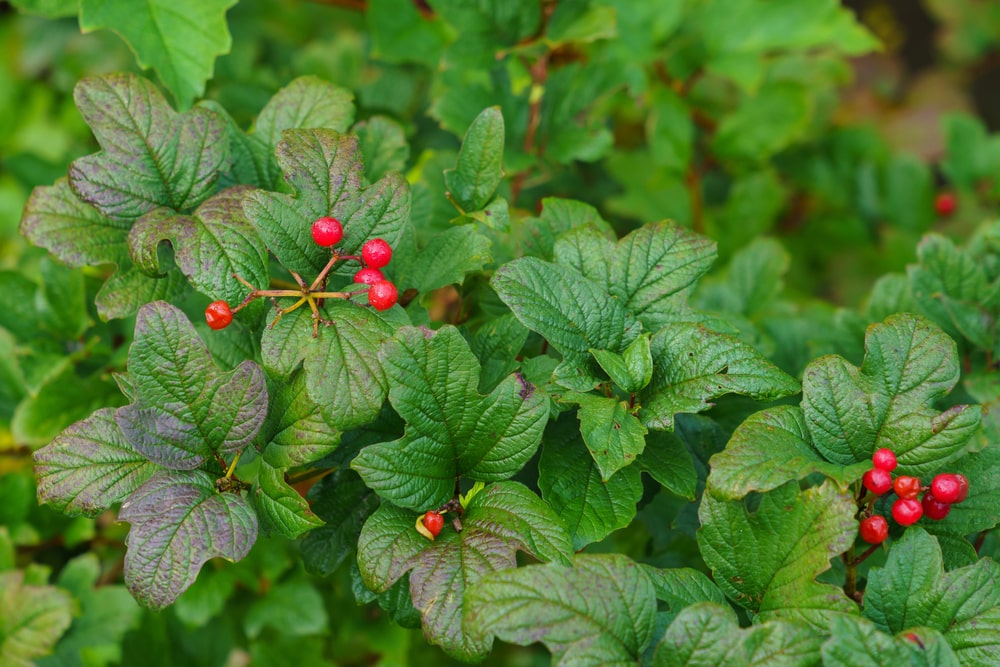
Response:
column 179, row 521
column 89, row 467
column 185, row 408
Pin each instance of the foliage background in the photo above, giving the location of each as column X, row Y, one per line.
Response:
column 848, row 192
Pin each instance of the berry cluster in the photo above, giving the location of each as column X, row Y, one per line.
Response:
column 326, row 232
column 944, row 491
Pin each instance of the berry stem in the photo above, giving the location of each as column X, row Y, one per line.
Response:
column 321, row 278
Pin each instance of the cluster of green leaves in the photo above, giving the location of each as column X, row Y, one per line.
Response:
column 536, row 366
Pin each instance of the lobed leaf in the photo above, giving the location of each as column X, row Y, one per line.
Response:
column 178, row 522
column 89, row 467
column 767, row 561
column 452, row 431
column 909, row 363
column 693, row 364
column 599, row 611
column 185, row 409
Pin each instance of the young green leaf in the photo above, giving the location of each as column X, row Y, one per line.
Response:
column 909, row 363
column 504, row 518
column 185, row 409
column 479, row 169
column 571, row 483
column 325, row 168
column 632, row 369
column 452, row 431
column 179, row 521
column 573, row 313
column 343, row 374
column 770, row 448
column 32, row 618
column 600, row 610
column 612, row 433
column 151, row 156
column 211, row 245
column 180, row 39
column 280, row 507
column 446, row 259
column 767, row 561
column 693, row 364
column 89, row 467
column 383, row 146
column 912, row 589
column 558, row 216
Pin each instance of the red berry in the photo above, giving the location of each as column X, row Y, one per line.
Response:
column 327, row 231
column 946, row 488
column 907, row 511
column 934, row 507
column 433, row 522
column 368, row 276
column 906, row 487
column 382, row 295
column 884, row 459
column 218, row 315
column 877, row 481
column 963, row 485
column 874, row 529
column 945, row 204
column 376, row 253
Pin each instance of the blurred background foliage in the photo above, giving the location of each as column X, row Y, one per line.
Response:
column 830, row 139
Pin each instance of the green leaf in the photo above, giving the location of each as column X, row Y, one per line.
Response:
column 306, row 102
column 981, row 509
column 856, row 642
column 59, row 402
column 446, row 259
column 767, row 561
column 179, row 521
column 89, row 467
column 452, row 431
column 344, row 502
column 151, row 156
column 294, row 432
column 383, row 144
column 909, row 363
column 180, row 39
column 211, row 245
column 632, row 369
column 912, row 589
column 185, row 409
column 679, row 588
column 765, row 124
column 611, row 432
column 343, row 373
column 400, row 33
column 580, row 23
column 558, row 216
column 32, row 618
column 50, row 9
column 972, row 154
column 667, row 460
column 479, row 169
column 571, row 483
column 573, row 313
column 127, row 290
column 770, row 448
column 486, row 26
column 751, row 282
column 280, row 506
column 444, row 574
column 693, row 365
column 496, row 342
column 599, row 611
column 670, row 130
column 325, row 168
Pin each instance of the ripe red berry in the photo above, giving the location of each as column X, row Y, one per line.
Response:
column 877, row 481
column 963, row 485
column 934, row 507
column 218, row 315
column 874, row 529
column 907, row 511
column 884, row 459
column 945, row 204
column 376, row 253
column 382, row 295
column 368, row 276
column 327, row 231
column 906, row 487
column 946, row 488
column 433, row 522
